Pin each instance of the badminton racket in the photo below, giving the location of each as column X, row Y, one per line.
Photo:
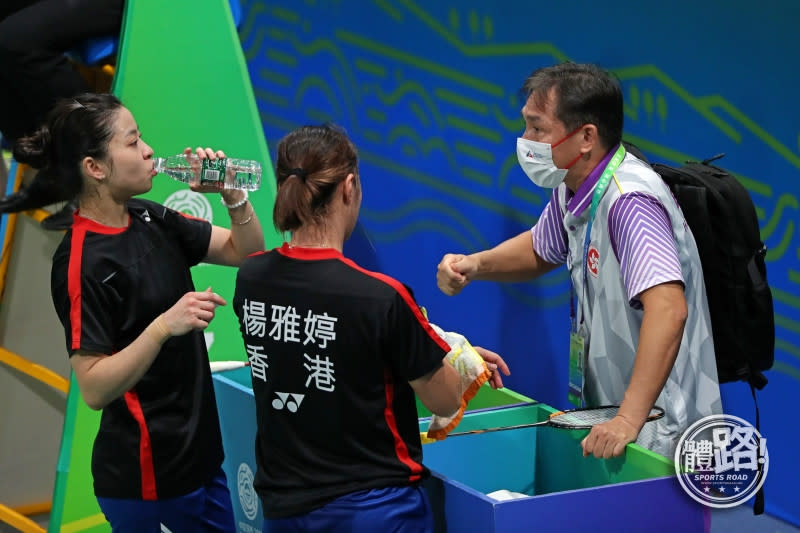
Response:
column 581, row 418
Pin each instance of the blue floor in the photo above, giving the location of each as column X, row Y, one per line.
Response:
column 741, row 520
column 735, row 520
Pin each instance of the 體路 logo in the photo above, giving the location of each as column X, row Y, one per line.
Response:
column 721, row 461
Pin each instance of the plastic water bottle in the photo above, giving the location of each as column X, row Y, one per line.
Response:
column 225, row 173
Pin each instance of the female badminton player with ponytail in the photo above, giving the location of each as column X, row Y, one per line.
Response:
column 336, row 353
column 134, row 322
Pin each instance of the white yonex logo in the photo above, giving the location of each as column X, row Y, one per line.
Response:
column 190, row 203
column 247, row 494
column 290, row 401
column 721, row 461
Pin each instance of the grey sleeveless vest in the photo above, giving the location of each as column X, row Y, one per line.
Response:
column 612, row 324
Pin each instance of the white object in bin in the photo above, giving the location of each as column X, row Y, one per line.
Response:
column 503, row 495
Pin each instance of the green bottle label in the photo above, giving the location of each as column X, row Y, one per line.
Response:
column 212, row 172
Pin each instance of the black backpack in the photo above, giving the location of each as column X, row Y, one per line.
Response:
column 723, row 220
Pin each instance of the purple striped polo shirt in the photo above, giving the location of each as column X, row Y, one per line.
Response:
column 635, row 218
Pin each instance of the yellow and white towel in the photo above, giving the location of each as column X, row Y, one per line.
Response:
column 474, row 373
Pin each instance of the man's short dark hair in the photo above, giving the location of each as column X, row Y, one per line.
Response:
column 584, row 93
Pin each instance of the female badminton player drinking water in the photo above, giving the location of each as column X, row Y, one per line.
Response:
column 336, row 354
column 133, row 320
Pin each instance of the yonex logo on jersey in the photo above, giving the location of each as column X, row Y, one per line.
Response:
column 190, row 203
column 593, row 261
column 247, row 494
column 289, row 400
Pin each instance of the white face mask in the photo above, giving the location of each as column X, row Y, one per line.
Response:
column 536, row 160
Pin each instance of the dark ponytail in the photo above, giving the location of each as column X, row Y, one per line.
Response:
column 311, row 162
column 32, row 150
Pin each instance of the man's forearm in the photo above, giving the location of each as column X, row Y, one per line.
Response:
column 659, row 342
column 512, row 260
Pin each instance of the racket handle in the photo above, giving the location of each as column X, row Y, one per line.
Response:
column 221, row 366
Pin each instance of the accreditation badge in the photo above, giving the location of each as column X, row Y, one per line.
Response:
column 577, row 366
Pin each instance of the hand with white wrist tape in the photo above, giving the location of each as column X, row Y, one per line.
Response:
column 475, row 366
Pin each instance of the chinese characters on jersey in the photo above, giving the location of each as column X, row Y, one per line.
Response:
column 313, row 331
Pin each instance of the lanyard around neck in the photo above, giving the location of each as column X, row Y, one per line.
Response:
column 599, row 191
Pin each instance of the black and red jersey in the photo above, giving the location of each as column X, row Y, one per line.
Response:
column 332, row 348
column 162, row 438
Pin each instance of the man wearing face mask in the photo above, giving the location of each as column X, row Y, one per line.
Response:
column 641, row 332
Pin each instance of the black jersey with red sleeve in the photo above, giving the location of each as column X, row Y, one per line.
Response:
column 162, row 438
column 332, row 348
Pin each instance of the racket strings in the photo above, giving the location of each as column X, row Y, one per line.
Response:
column 592, row 417
column 588, row 417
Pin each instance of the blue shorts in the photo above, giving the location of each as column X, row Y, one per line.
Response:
column 206, row 509
column 391, row 509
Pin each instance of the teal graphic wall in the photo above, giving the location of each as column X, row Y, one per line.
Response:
column 428, row 91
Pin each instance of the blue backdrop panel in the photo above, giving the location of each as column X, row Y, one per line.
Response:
column 428, row 91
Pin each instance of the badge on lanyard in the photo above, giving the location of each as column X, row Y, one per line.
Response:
column 578, row 338
column 577, row 365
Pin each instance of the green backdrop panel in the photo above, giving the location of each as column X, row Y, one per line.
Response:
column 181, row 72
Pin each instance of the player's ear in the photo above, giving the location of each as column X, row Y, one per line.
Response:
column 349, row 189
column 94, row 169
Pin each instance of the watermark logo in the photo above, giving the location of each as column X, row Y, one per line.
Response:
column 247, row 494
column 190, row 203
column 721, row 461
